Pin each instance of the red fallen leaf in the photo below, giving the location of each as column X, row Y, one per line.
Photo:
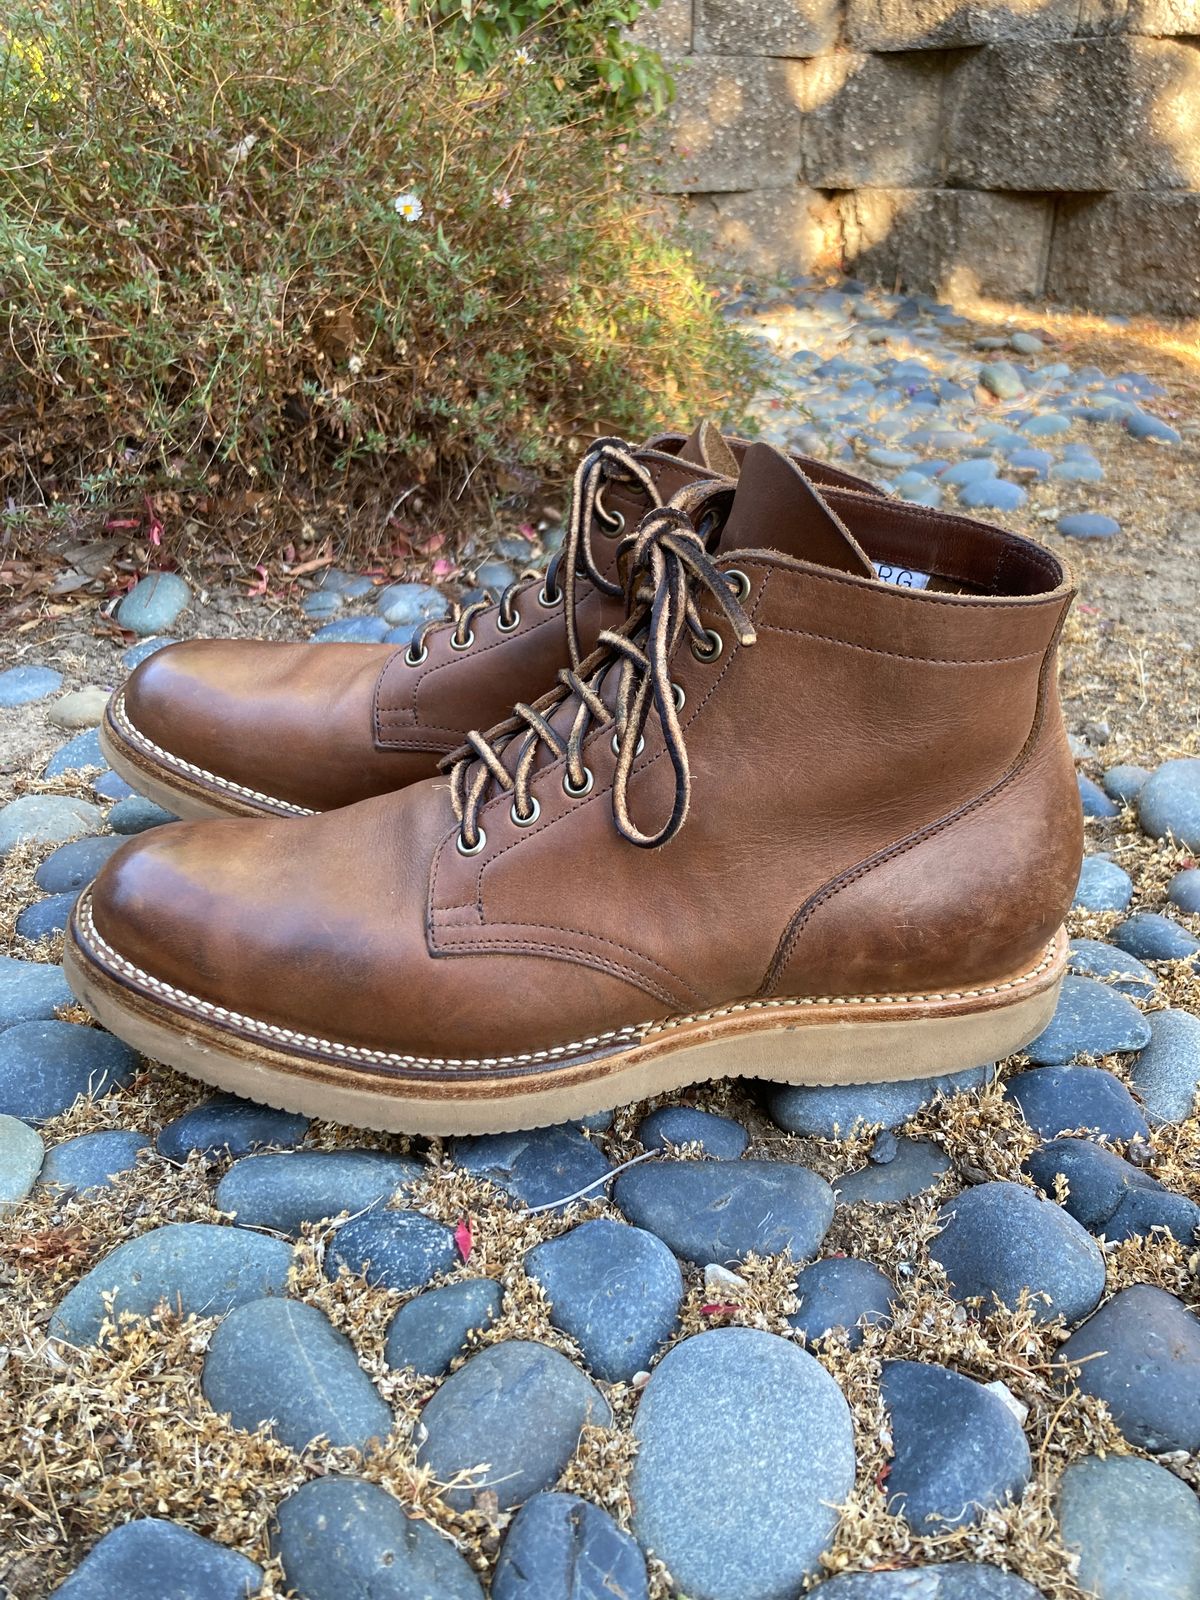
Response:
column 464, row 1238
column 154, row 523
column 122, row 522
column 718, row 1309
column 527, row 531
column 882, row 1476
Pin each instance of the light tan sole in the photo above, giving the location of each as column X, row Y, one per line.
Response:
column 178, row 786
column 835, row 1040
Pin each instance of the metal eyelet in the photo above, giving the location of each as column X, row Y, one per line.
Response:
column 415, row 661
column 679, row 697
column 589, row 779
column 715, row 645
column 526, row 822
column 641, row 745
column 462, row 644
column 507, row 627
column 549, row 600
column 738, row 582
column 474, row 849
column 612, row 523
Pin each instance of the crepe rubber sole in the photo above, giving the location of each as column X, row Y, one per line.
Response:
column 817, row 1041
column 179, row 786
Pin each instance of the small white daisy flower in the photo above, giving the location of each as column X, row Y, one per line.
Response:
column 502, row 197
column 355, row 365
column 409, row 207
column 523, row 57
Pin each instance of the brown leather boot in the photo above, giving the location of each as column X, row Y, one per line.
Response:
column 788, row 821
column 230, row 727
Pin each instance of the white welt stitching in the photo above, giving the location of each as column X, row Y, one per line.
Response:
column 121, row 717
column 345, row 1052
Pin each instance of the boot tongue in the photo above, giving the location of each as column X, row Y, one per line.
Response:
column 705, row 447
column 777, row 508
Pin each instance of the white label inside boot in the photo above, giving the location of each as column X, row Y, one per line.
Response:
column 902, row 577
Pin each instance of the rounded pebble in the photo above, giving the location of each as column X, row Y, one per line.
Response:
column 1091, row 1019
column 614, row 1289
column 46, row 1066
column 46, row 819
column 283, row 1363
column 135, row 814
column 21, row 686
column 1153, row 937
column 1125, row 783
column 73, row 865
column 543, row 1167
column 21, row 1153
column 1088, row 525
column 1000, row 1239
column 196, row 1267
column 719, row 1137
column 836, row 1112
column 1092, row 958
column 346, row 1539
column 225, row 1124
column 282, row 1192
column 1111, row 1197
column 433, row 1328
column 1169, row 804
column 745, row 1449
column 1184, row 889
column 560, row 1547
column 153, row 603
column 92, row 1160
column 958, row 1448
column 841, row 1293
column 893, row 1174
column 393, row 1249
column 1103, row 886
column 1135, row 1528
column 30, row 991
column 149, row 1559
column 1166, row 1075
column 1140, row 1354
column 515, row 1410
column 47, row 916
column 1056, row 1100
column 720, row 1211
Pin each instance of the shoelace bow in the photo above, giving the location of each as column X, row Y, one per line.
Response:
column 668, row 566
column 609, row 460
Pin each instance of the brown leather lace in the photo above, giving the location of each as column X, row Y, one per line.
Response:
column 668, row 565
column 609, row 460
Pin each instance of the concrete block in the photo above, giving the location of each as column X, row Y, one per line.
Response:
column 767, row 231
column 947, row 242
column 1085, row 115
column 872, row 120
column 1160, row 19
column 735, row 125
column 1128, row 253
column 667, row 30
column 934, row 24
column 767, row 27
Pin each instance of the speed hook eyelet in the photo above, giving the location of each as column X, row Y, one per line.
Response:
column 715, row 645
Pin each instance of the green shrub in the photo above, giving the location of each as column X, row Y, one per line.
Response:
column 590, row 42
column 211, row 280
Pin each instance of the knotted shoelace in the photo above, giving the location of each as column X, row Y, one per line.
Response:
column 609, row 460
column 668, row 567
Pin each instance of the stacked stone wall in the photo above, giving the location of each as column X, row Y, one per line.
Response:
column 1032, row 148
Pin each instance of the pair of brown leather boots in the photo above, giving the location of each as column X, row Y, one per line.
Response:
column 782, row 791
